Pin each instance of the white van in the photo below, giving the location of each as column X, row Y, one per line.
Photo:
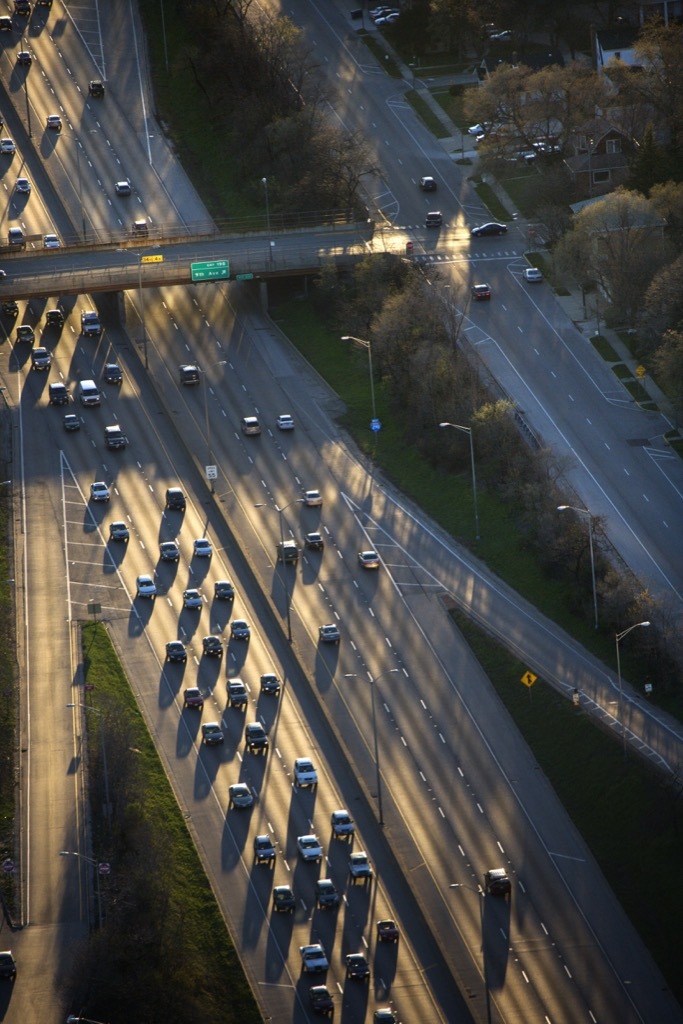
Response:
column 88, row 392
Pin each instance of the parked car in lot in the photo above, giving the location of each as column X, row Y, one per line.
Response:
column 212, row 735
column 283, row 899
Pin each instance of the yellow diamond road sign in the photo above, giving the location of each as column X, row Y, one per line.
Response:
column 640, row 371
column 529, row 679
column 152, row 259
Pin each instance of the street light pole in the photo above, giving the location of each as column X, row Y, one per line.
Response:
column 482, row 896
column 468, row 430
column 264, row 182
column 618, row 638
column 98, row 711
column 378, row 774
column 587, row 512
column 368, row 346
column 96, row 865
column 281, row 561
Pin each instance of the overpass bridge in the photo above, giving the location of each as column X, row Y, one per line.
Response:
column 155, row 261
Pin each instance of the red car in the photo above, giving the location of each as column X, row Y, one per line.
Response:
column 192, row 698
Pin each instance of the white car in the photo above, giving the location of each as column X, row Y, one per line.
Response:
column 7, row 146
column 479, row 129
column 145, row 586
column 359, row 865
column 313, row 958
column 99, row 491
column 54, row 122
column 304, row 772
column 285, row 422
column 192, row 598
column 309, row 848
column 202, row 548
column 342, row 824
column 532, row 274
column 313, row 499
column 50, row 242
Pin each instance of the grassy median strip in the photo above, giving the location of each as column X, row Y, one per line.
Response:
column 163, row 932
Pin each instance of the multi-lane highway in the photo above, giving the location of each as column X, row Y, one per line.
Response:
column 459, row 792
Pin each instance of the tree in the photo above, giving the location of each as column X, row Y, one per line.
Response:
column 617, row 243
column 668, row 360
column 649, row 166
column 660, row 48
column 663, row 308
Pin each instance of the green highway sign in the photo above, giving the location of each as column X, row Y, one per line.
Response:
column 213, row 270
column 244, row 277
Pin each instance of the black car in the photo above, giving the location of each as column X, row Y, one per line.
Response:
column 175, row 651
column 8, row 965
column 270, row 683
column 326, row 893
column 10, row 308
column 497, row 882
column 189, row 374
column 118, row 531
column 58, row 394
column 283, row 899
column 71, row 422
column 96, row 88
column 427, row 184
column 223, row 590
column 175, row 499
column 113, row 373
column 55, row 317
column 256, row 737
column 169, row 551
column 212, row 647
column 321, row 999
column 24, row 58
column 357, row 967
column 489, row 229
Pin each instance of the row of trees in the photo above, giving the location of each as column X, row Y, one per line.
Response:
column 264, row 97
column 414, row 324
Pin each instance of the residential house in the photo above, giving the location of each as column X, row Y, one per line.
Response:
column 598, row 158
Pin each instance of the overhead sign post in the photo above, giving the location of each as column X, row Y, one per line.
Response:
column 213, row 270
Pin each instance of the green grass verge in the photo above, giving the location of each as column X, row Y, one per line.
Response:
column 209, row 960
column 385, row 59
column 604, row 349
column 491, row 200
column 426, row 114
column 630, row 820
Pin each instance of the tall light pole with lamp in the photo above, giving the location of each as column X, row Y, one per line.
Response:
column 378, row 774
column 468, row 430
column 482, row 896
column 264, row 182
column 98, row 711
column 368, row 346
column 587, row 512
column 101, row 868
column 210, row 465
column 280, row 509
column 618, row 638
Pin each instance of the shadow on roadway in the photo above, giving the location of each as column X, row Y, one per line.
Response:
column 209, row 760
column 495, row 927
column 326, row 662
column 189, row 731
column 279, row 941
column 140, row 615
column 170, row 682
column 237, row 651
column 256, row 909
